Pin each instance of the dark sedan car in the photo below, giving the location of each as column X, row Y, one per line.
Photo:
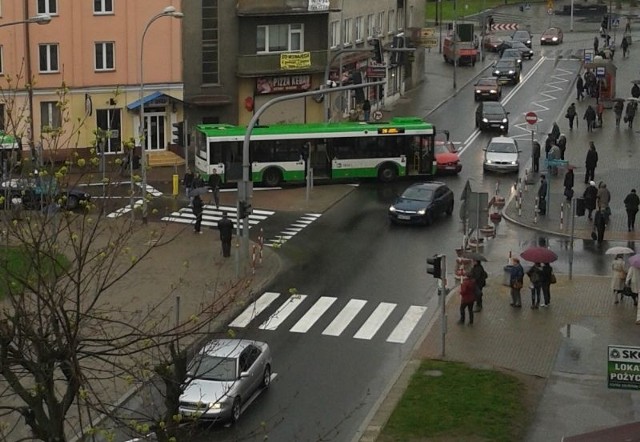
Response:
column 487, row 88
column 507, row 71
column 513, row 54
column 523, row 36
column 491, row 115
column 39, row 192
column 422, row 203
column 526, row 51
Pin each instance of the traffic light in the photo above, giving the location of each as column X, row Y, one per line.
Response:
column 377, row 50
column 244, row 209
column 178, row 133
column 434, row 266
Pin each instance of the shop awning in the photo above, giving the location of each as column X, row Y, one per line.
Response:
column 148, row 98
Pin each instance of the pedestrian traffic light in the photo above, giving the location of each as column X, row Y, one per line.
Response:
column 377, row 50
column 434, row 266
column 178, row 133
column 244, row 209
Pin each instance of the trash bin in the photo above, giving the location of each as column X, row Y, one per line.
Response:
column 507, row 275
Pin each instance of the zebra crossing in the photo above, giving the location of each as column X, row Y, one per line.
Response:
column 211, row 215
column 347, row 315
column 293, row 229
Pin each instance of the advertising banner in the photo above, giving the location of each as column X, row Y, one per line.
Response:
column 623, row 367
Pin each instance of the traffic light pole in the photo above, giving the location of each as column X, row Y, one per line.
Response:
column 442, row 293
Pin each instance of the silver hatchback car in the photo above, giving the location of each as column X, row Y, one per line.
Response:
column 502, row 155
column 225, row 375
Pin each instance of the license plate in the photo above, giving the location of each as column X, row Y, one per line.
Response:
column 404, row 217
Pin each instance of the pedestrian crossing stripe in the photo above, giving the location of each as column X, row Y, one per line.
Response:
column 340, row 322
column 211, row 215
column 293, row 229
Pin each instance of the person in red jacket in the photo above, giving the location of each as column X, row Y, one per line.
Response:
column 468, row 297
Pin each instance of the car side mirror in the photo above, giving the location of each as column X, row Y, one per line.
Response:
column 244, row 374
column 508, row 113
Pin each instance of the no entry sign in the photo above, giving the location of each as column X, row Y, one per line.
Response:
column 531, row 117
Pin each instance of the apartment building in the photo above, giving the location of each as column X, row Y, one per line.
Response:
column 91, row 50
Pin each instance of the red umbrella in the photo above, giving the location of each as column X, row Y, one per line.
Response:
column 539, row 254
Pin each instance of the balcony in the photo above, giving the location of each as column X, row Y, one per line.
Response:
column 279, row 7
column 269, row 64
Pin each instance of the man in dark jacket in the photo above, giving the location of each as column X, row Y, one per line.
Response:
column 214, row 184
column 617, row 109
column 631, row 113
column 580, row 88
column 197, row 208
column 225, row 225
column 590, row 116
column 535, row 154
column 568, row 184
column 590, row 196
column 599, row 225
column 631, row 204
column 590, row 163
column 542, row 196
column 571, row 115
column 479, row 275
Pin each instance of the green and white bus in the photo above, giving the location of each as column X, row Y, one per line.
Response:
column 403, row 146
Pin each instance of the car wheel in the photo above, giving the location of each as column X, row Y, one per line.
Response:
column 72, row 202
column 449, row 210
column 236, row 408
column 266, row 377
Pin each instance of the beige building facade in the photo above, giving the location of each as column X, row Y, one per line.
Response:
column 88, row 57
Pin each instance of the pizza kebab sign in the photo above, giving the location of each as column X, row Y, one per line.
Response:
column 623, row 367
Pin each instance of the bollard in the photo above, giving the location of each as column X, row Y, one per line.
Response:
column 520, row 201
column 497, row 187
column 562, row 216
column 176, row 185
column 253, row 260
column 535, row 212
column 526, row 179
column 261, row 244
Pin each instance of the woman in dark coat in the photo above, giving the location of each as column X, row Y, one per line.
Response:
column 590, row 196
column 590, row 116
column 545, row 284
column 568, row 184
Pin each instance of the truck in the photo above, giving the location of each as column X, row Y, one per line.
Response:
column 466, row 45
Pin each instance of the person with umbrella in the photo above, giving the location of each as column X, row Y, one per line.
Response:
column 546, row 279
column 516, row 280
column 467, row 298
column 618, row 276
column 631, row 204
column 479, row 275
column 633, row 278
column 534, row 274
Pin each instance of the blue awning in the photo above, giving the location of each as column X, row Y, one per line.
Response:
column 148, row 98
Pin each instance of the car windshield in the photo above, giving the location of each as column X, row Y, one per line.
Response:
column 504, row 64
column 213, row 368
column 444, row 148
column 500, row 147
column 521, row 34
column 493, row 108
column 418, row 194
column 486, row 82
column 552, row 31
column 511, row 53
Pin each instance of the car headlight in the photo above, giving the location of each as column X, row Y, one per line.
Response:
column 519, row 60
column 215, row 405
column 493, row 91
column 422, row 211
column 511, row 71
column 488, row 161
column 554, row 38
column 478, row 91
column 496, row 72
column 485, row 120
column 543, row 38
column 528, row 42
column 514, row 163
column 392, row 209
column 505, row 120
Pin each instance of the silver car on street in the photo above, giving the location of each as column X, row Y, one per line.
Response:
column 502, row 155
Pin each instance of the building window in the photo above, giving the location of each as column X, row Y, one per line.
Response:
column 280, row 38
column 359, row 29
column 335, row 34
column 50, row 115
column 210, row 43
column 347, row 32
column 371, row 24
column 48, row 7
column 379, row 24
column 103, row 6
column 391, row 24
column 104, row 56
column 48, row 57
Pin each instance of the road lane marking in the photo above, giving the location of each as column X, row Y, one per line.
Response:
column 344, row 318
column 375, row 321
column 313, row 314
column 283, row 312
column 403, row 330
column 254, row 309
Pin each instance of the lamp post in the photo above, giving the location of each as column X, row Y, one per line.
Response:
column 169, row 11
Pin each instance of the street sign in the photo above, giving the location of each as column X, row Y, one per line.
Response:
column 429, row 42
column 588, row 55
column 531, row 118
column 623, row 367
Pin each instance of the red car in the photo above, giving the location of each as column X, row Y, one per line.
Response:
column 552, row 36
column 492, row 43
column 447, row 158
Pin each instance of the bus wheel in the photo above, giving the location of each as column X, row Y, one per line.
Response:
column 387, row 173
column 272, row 177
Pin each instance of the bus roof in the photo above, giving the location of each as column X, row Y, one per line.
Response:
column 227, row 130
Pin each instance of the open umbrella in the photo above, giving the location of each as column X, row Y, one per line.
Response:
column 539, row 254
column 473, row 255
column 619, row 250
column 634, row 261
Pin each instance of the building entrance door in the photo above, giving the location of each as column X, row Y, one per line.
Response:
column 154, row 128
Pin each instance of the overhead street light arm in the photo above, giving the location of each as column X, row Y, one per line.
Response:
column 40, row 19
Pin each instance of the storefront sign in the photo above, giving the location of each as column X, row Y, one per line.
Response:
column 283, row 83
column 295, row 60
column 319, row 5
column 623, row 367
column 376, row 70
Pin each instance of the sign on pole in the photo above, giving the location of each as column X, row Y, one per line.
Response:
column 623, row 367
column 531, row 118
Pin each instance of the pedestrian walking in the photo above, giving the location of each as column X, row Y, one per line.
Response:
column 618, row 276
column 467, row 298
column 366, row 110
column 214, row 182
column 516, row 280
column 197, row 206
column 547, row 278
column 479, row 275
column 624, row 44
column 535, row 156
column 571, row 114
column 600, row 112
column 555, row 131
column 599, row 225
column 590, row 116
column 225, row 226
column 631, row 204
column 603, row 200
column 590, row 163
column 187, row 181
column 617, row 109
column 633, row 282
column 635, row 90
column 596, row 43
column 548, row 144
column 534, row 274
column 590, row 196
column 562, row 144
column 579, row 88
column 569, row 180
column 542, row 196
column 630, row 114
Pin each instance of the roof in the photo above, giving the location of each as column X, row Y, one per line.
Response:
column 148, row 98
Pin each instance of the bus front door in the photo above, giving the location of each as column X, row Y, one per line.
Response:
column 319, row 159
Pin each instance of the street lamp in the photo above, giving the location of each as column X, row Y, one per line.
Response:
column 40, row 19
column 169, row 11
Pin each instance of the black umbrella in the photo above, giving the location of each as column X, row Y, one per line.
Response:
column 473, row 255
